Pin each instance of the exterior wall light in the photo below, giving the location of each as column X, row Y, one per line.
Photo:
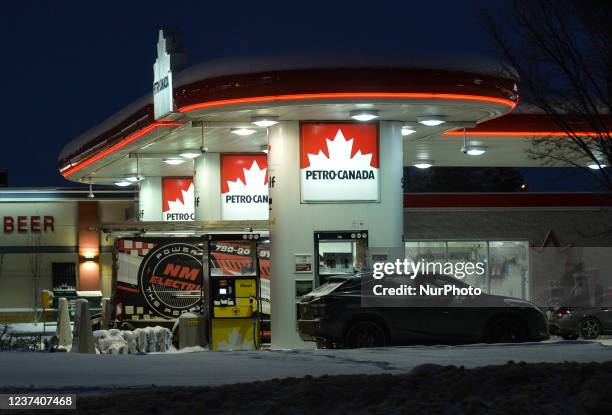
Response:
column 407, row 130
column 242, row 131
column 264, row 120
column 431, row 120
column 474, row 150
column 423, row 164
column 364, row 115
column 174, row 162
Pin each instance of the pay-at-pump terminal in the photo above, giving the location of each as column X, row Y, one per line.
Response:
column 235, row 292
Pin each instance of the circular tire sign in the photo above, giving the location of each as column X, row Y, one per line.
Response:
column 170, row 278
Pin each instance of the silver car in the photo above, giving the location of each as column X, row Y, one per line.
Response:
column 586, row 322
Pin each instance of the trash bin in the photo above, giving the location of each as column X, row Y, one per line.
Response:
column 193, row 330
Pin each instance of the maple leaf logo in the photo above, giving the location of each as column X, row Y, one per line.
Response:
column 184, row 206
column 255, row 182
column 339, row 150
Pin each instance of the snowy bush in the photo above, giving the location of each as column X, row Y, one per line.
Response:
column 130, row 338
column 110, row 342
column 142, row 340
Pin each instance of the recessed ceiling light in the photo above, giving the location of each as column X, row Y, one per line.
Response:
column 242, row 131
column 423, row 164
column 407, row 130
column 123, row 183
column 174, row 162
column 264, row 148
column 364, row 115
column 431, row 120
column 595, row 166
column 190, row 154
column 134, row 178
column 264, row 120
column 474, row 150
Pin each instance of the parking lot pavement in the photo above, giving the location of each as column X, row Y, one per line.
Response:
column 68, row 370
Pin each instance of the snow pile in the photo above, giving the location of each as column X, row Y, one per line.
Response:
column 190, row 349
column 513, row 388
column 110, row 342
column 143, row 340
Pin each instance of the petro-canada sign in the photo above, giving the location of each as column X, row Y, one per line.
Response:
column 244, row 187
column 178, row 203
column 163, row 104
column 339, row 162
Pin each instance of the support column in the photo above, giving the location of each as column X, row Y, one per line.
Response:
column 207, row 186
column 292, row 223
column 89, row 247
column 150, row 199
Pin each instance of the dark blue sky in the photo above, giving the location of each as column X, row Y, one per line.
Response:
column 68, row 65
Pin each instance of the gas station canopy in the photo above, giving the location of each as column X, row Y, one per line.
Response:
column 309, row 150
column 213, row 100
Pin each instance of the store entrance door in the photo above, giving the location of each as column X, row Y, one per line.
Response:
column 339, row 253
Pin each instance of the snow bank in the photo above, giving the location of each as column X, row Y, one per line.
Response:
column 513, row 388
column 143, row 340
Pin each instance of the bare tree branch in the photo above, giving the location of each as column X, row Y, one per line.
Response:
column 562, row 54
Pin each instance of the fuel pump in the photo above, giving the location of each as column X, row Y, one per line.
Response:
column 235, row 294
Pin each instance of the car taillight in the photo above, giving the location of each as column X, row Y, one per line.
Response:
column 563, row 311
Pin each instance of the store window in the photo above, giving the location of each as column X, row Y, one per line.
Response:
column 506, row 262
column 64, row 275
column 470, row 251
column 336, row 257
column 508, row 269
column 426, row 250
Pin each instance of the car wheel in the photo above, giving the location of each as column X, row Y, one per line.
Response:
column 506, row 330
column 365, row 334
column 569, row 336
column 590, row 328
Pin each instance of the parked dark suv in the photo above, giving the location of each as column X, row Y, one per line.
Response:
column 333, row 316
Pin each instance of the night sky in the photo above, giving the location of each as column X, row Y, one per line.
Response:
column 66, row 66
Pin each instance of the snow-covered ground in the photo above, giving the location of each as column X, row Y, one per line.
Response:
column 67, row 370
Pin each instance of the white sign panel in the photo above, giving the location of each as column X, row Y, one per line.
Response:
column 162, row 80
column 244, row 187
column 178, row 199
column 339, row 162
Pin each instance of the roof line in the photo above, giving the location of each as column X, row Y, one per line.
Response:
column 348, row 95
column 521, row 133
column 70, row 168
